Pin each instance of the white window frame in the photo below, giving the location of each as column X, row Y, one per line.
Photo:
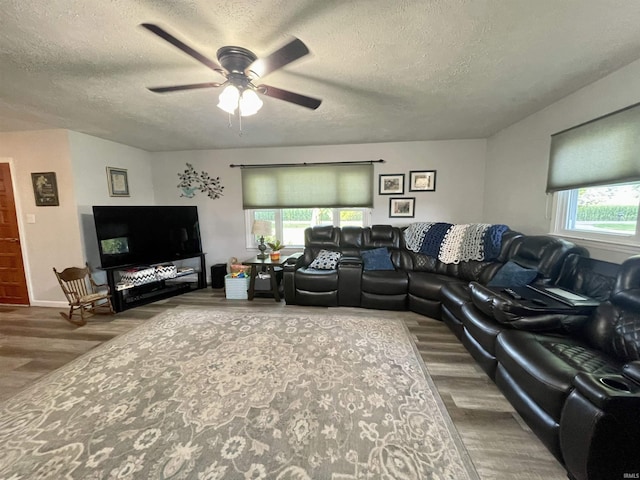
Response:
column 565, row 209
column 250, row 239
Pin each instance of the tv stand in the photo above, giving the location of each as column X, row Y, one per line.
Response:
column 191, row 275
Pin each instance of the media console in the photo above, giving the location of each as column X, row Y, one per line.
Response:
column 189, row 274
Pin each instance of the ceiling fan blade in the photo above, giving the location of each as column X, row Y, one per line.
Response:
column 182, row 46
column 292, row 51
column 177, row 88
column 291, row 97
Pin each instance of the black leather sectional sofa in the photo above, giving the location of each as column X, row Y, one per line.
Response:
column 573, row 377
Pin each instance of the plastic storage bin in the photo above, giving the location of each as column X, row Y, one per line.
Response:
column 236, row 288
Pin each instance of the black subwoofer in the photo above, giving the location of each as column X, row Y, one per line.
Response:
column 218, row 271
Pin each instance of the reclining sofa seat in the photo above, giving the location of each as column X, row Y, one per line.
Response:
column 580, row 392
column 417, row 281
column 478, row 330
column 386, row 289
column 431, row 279
column 307, row 286
column 348, row 284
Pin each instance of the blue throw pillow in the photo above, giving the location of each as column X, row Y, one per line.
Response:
column 377, row 259
column 513, row 275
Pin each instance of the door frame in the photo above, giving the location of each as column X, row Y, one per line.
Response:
column 21, row 227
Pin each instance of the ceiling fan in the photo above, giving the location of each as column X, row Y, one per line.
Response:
column 241, row 68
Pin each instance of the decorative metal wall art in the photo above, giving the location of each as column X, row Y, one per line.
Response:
column 192, row 181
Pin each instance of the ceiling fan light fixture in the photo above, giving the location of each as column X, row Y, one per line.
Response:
column 241, row 67
column 228, row 99
column 250, row 103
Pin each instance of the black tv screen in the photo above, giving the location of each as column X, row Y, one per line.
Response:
column 143, row 235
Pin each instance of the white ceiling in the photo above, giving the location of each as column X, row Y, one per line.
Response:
column 386, row 70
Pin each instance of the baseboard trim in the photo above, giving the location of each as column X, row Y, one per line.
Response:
column 49, row 303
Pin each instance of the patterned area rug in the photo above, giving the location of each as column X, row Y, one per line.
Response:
column 206, row 395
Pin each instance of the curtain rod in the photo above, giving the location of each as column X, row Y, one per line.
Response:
column 304, row 164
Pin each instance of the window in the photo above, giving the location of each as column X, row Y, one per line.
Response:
column 594, row 170
column 308, row 186
column 289, row 224
column 601, row 152
column 608, row 213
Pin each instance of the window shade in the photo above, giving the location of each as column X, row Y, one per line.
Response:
column 600, row 152
column 308, row 186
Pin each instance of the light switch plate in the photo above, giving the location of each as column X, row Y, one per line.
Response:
column 31, row 218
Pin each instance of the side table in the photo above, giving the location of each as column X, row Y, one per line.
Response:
column 269, row 265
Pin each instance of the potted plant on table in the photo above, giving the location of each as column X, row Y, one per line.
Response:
column 275, row 247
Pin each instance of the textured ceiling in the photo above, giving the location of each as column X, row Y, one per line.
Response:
column 386, row 71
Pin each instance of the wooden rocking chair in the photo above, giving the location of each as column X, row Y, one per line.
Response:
column 83, row 293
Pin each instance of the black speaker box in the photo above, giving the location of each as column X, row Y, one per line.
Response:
column 218, row 271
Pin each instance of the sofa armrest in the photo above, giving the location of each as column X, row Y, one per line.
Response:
column 600, row 428
column 293, row 258
column 507, row 310
column 293, row 263
column 632, row 371
column 611, row 393
column 549, row 322
column 350, row 261
column 349, row 281
column 289, row 278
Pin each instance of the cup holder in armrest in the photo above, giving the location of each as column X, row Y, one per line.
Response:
column 615, row 383
column 612, row 393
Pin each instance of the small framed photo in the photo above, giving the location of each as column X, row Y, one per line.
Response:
column 392, row 184
column 422, row 181
column 118, row 182
column 45, row 189
column 402, row 207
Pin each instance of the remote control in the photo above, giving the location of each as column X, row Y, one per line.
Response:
column 512, row 293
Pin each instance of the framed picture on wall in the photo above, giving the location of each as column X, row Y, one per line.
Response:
column 422, row 181
column 402, row 207
column 391, row 184
column 118, row 182
column 45, row 189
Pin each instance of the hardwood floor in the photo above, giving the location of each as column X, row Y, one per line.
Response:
column 35, row 341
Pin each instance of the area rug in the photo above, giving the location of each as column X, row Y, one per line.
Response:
column 205, row 394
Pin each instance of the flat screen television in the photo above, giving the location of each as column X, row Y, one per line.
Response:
column 141, row 235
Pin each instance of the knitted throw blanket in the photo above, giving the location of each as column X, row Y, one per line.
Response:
column 455, row 243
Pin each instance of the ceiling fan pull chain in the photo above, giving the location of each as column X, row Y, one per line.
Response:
column 230, row 122
column 239, row 123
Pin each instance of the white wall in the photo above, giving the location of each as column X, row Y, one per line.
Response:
column 65, row 235
column 517, row 157
column 54, row 239
column 89, row 158
column 460, row 166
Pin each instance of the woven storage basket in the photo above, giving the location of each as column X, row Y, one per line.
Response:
column 236, row 288
column 139, row 276
column 166, row 271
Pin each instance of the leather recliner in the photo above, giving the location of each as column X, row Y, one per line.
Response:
column 477, row 329
column 580, row 391
column 385, row 289
column 349, row 284
column 454, row 295
column 307, row 286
